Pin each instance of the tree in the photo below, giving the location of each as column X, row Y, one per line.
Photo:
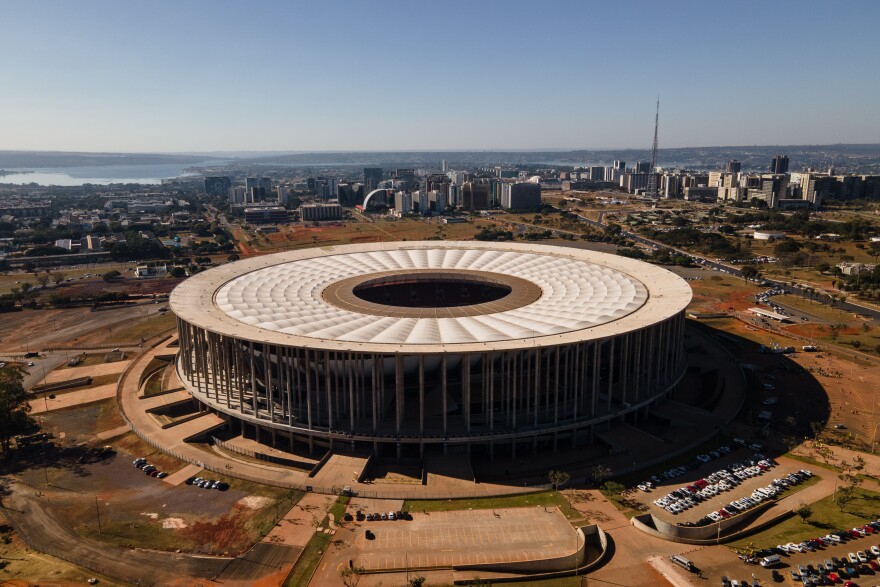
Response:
column 14, row 407
column 111, row 275
column 417, row 581
column 804, row 512
column 750, row 272
column 352, row 576
column 613, row 487
column 233, row 257
column 558, row 478
column 844, row 495
column 178, row 272
column 58, row 278
column 43, row 280
column 599, row 473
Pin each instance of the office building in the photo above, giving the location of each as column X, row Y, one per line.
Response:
column 733, row 166
column 320, row 211
column 217, row 186
column 520, row 196
column 236, row 195
column 779, row 164
column 266, row 215
column 372, row 177
column 476, row 195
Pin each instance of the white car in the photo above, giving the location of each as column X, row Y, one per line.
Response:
column 862, row 557
column 875, row 551
column 852, row 557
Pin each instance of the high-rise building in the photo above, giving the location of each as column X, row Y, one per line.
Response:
column 521, row 196
column 620, row 166
column 597, row 173
column 444, row 167
column 476, row 195
column 775, row 187
column 642, row 167
column 217, row 186
column 236, row 195
column 283, row 195
column 733, row 166
column 779, row 164
column 372, row 177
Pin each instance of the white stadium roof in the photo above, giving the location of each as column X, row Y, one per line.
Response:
column 288, row 297
column 278, row 298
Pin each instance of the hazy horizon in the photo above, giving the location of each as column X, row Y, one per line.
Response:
column 296, row 77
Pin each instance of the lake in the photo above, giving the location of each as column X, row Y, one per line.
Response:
column 101, row 175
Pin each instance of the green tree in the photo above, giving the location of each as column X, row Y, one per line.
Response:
column 804, row 512
column 613, row 487
column 558, row 478
column 111, row 275
column 417, row 581
column 844, row 496
column 14, row 407
column 598, row 474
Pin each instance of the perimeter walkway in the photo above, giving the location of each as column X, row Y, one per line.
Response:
column 174, row 440
column 73, row 398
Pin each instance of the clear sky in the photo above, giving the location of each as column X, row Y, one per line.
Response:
column 187, row 75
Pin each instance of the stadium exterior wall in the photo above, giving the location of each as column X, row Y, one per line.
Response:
column 494, row 399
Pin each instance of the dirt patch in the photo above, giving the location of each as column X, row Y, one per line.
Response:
column 173, row 523
column 226, row 534
column 255, row 502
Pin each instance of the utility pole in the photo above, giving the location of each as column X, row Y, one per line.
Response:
column 652, row 176
column 98, row 514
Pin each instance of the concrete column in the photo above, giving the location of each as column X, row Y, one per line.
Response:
column 443, row 397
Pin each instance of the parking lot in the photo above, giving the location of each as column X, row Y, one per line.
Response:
column 866, row 576
column 745, row 488
column 443, row 539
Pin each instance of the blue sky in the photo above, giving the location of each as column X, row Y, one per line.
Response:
column 418, row 75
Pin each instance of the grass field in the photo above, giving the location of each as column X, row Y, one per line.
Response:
column 147, row 328
column 8, row 281
column 544, row 498
column 352, row 232
column 827, row 517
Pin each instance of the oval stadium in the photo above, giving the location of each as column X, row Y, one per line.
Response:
column 494, row 349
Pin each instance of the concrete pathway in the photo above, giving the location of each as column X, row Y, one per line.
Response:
column 68, row 373
column 182, row 475
column 298, row 525
column 74, row 398
column 113, row 432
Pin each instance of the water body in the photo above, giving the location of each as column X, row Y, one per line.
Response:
column 102, row 175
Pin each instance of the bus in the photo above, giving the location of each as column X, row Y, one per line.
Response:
column 682, row 562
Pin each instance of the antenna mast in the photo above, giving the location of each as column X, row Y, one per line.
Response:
column 652, row 175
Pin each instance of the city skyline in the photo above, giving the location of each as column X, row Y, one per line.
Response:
column 392, row 76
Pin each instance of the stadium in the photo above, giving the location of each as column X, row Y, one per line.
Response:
column 400, row 348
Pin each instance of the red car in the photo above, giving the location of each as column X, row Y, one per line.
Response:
column 874, row 564
column 868, row 529
column 834, row 578
column 850, row 584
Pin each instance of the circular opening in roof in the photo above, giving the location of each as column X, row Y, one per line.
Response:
column 431, row 290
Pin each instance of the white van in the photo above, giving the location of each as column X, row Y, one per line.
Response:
column 770, row 561
column 682, row 562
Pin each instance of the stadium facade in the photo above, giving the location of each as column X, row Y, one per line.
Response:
column 407, row 347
